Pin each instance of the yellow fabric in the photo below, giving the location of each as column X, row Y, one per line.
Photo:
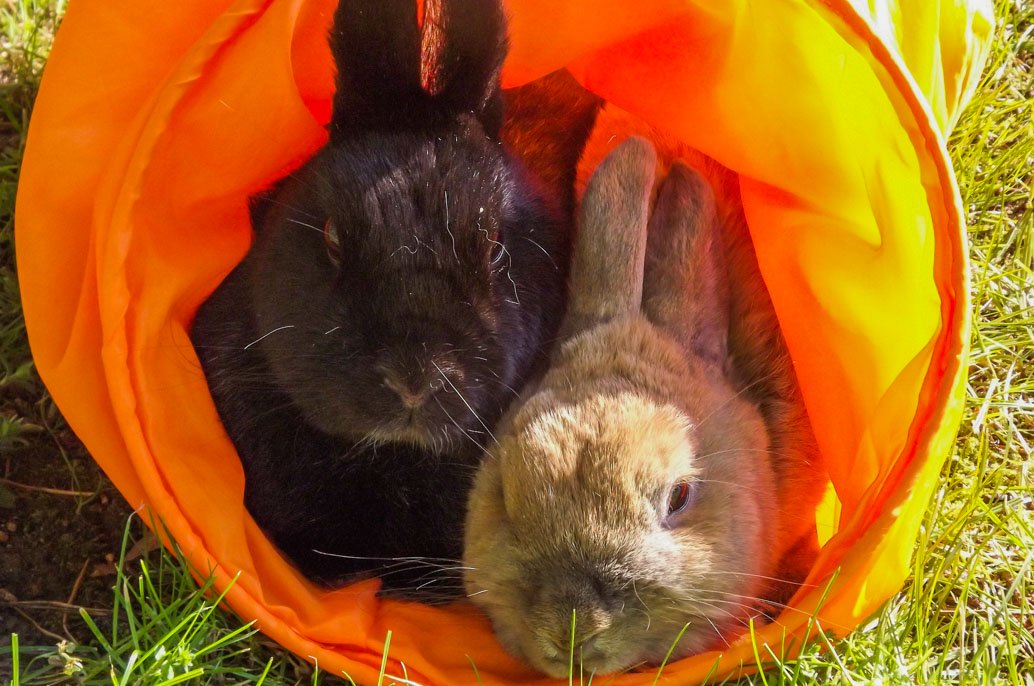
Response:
column 943, row 45
column 156, row 122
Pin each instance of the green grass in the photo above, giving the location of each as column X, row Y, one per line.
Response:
column 966, row 614
column 164, row 629
column 26, row 31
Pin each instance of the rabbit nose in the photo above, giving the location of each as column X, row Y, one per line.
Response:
column 413, row 390
column 584, row 641
column 417, row 381
column 589, row 624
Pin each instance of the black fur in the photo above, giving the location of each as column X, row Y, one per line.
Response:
column 450, row 279
column 377, row 49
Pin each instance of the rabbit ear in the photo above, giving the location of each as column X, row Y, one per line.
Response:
column 473, row 46
column 376, row 46
column 607, row 267
column 686, row 288
column 382, row 55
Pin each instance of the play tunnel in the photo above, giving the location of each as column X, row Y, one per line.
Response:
column 156, row 121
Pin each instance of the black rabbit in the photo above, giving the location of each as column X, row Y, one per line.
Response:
column 402, row 286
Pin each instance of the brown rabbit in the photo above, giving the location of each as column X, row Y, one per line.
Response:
column 639, row 487
column 758, row 362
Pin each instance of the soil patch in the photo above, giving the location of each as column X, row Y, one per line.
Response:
column 61, row 526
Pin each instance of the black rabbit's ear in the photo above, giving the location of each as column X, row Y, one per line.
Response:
column 376, row 46
column 470, row 57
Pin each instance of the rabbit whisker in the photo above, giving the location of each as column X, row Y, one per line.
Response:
column 762, row 576
column 430, row 592
column 363, row 444
column 504, row 252
column 411, row 251
column 544, row 251
column 457, row 390
column 448, row 229
column 437, row 591
column 711, row 603
column 505, row 385
column 738, row 394
column 744, row 450
column 649, row 619
column 751, row 612
column 761, row 605
column 281, row 328
column 425, row 584
column 308, row 226
column 729, row 624
column 414, row 558
column 646, row 608
column 461, row 429
column 290, row 207
column 448, row 578
column 438, row 575
column 420, row 243
column 300, row 178
column 729, row 483
column 457, row 565
column 717, row 631
column 754, row 599
column 707, row 619
column 386, row 572
column 741, row 450
column 516, row 298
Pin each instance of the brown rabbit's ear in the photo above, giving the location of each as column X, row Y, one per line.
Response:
column 607, row 267
column 686, row 288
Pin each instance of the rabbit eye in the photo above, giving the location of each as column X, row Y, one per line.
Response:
column 496, row 256
column 679, row 497
column 496, row 251
column 333, row 243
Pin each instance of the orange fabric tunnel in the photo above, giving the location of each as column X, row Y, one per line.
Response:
column 157, row 121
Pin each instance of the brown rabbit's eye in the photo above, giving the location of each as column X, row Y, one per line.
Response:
column 333, row 243
column 678, row 499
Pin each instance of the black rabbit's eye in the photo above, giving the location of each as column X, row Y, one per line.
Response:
column 678, row 499
column 333, row 242
column 496, row 255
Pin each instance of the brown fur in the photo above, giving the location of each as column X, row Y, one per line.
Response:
column 608, row 425
column 759, row 362
column 569, row 512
